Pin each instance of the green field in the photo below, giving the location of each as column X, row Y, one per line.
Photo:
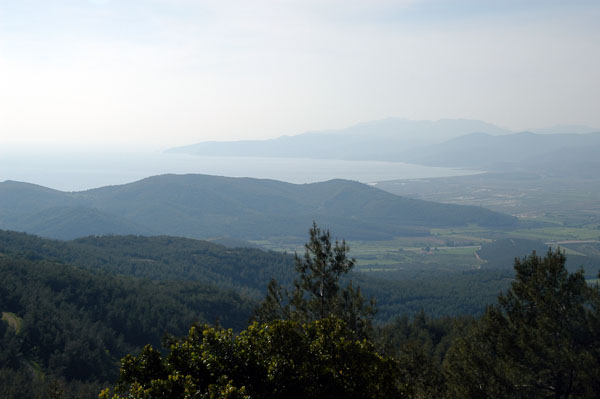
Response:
column 450, row 249
column 559, row 233
column 454, row 248
column 552, row 210
column 567, row 201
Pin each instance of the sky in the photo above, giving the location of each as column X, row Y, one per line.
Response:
column 162, row 73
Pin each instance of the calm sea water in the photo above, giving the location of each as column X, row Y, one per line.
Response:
column 76, row 172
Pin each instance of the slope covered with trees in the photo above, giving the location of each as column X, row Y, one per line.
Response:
column 314, row 343
column 249, row 271
column 64, row 326
column 201, row 206
column 158, row 258
column 541, row 340
column 73, row 325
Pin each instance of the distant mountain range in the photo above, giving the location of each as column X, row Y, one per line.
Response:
column 201, row 206
column 562, row 154
column 381, row 140
column 447, row 142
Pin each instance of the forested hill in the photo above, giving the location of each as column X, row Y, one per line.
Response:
column 71, row 309
column 201, row 206
column 248, row 271
column 64, row 328
column 158, row 258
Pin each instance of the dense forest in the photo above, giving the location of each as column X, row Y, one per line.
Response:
column 248, row 271
column 540, row 340
column 158, row 258
column 64, row 324
column 71, row 310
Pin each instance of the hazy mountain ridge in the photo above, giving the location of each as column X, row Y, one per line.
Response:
column 381, row 140
column 202, row 206
column 447, row 143
column 526, row 151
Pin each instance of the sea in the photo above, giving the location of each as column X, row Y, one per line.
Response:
column 75, row 171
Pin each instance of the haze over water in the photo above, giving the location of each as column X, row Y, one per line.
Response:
column 76, row 172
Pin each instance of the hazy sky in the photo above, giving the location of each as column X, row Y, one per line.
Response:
column 159, row 73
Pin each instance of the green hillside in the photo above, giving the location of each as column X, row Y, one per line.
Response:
column 247, row 271
column 74, row 325
column 201, row 206
column 80, row 305
column 159, row 258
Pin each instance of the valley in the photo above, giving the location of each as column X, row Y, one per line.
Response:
column 118, row 267
column 552, row 211
column 299, row 199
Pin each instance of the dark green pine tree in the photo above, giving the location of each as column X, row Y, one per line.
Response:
column 317, row 293
column 542, row 339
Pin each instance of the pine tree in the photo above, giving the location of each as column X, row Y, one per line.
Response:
column 317, row 292
column 540, row 341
